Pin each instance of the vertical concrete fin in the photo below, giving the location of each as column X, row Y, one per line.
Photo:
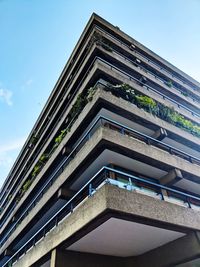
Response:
column 160, row 134
column 172, row 177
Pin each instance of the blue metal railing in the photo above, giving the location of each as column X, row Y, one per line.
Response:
column 145, row 57
column 148, row 87
column 100, row 121
column 134, row 79
column 50, row 132
column 97, row 181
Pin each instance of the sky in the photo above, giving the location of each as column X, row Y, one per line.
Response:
column 38, row 36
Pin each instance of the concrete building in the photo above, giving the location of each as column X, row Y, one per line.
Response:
column 110, row 174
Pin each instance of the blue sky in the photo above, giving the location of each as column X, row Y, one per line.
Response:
column 37, row 37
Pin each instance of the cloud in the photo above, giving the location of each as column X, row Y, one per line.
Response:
column 8, row 153
column 12, row 145
column 5, row 161
column 27, row 84
column 6, row 96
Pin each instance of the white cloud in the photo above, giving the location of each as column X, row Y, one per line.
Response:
column 5, row 160
column 8, row 153
column 29, row 82
column 12, row 145
column 6, row 96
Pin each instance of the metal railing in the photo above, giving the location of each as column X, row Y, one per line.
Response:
column 151, row 73
column 146, row 58
column 131, row 78
column 52, row 128
column 103, row 176
column 193, row 113
column 105, row 122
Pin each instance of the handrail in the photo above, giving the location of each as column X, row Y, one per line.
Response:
column 54, row 126
column 151, row 88
column 148, row 138
column 54, row 216
column 52, row 176
column 132, row 78
column 61, row 167
column 90, row 184
column 149, row 60
column 160, row 186
column 149, row 72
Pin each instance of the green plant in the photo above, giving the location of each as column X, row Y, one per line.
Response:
column 61, row 136
column 44, row 158
column 34, row 139
column 26, row 186
column 80, row 103
column 78, row 106
column 169, row 83
column 36, row 170
column 154, row 107
column 146, row 103
column 184, row 93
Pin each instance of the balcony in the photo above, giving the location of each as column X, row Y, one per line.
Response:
column 139, row 190
column 124, row 130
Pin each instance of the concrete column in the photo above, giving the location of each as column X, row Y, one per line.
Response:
column 57, row 259
column 172, row 177
column 65, row 193
column 160, row 134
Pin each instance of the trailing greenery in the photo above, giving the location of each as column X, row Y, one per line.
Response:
column 44, row 158
column 26, row 185
column 34, row 139
column 169, row 83
column 60, row 137
column 184, row 93
column 36, row 170
column 78, row 106
column 126, row 92
column 81, row 101
column 154, row 107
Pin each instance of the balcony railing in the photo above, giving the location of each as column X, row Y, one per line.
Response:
column 103, row 176
column 3, row 198
column 131, row 79
column 148, row 72
column 145, row 57
column 101, row 121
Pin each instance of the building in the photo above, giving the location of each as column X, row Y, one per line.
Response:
column 109, row 175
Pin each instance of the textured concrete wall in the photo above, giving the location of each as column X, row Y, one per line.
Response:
column 121, row 201
column 162, row 156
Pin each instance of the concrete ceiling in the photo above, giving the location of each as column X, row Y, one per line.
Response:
column 123, row 238
column 107, row 157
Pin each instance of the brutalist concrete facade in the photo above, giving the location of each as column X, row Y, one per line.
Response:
column 109, row 175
